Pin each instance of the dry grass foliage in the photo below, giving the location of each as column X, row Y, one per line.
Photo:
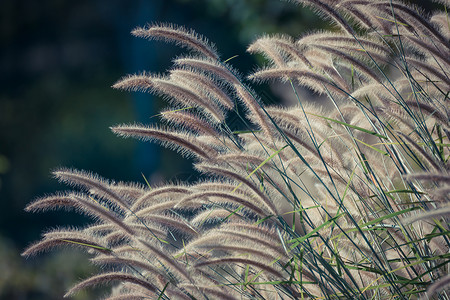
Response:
column 305, row 202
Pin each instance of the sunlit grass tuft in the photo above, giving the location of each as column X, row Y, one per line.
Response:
column 349, row 200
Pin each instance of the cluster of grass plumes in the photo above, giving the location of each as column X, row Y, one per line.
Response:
column 348, row 202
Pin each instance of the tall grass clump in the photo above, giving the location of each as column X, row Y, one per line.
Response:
column 348, row 200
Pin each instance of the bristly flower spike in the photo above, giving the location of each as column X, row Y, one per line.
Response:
column 176, row 92
column 179, row 35
column 184, row 141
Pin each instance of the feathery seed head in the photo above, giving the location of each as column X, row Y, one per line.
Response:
column 344, row 200
column 179, row 35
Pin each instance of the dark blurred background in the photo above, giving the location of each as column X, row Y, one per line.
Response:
column 58, row 59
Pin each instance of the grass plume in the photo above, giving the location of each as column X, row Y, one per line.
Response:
column 343, row 201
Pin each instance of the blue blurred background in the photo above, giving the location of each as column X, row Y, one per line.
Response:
column 58, row 60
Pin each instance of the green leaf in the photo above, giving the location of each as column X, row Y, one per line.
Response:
column 351, row 126
column 233, row 212
column 88, row 245
column 372, row 147
column 231, row 58
column 146, row 181
column 245, row 131
column 263, row 219
column 162, row 292
column 259, row 167
column 378, row 220
column 301, row 209
column 315, row 230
